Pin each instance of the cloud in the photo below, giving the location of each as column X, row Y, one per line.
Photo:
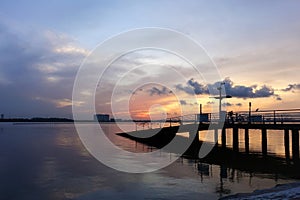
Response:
column 278, row 98
column 37, row 73
column 291, row 87
column 237, row 91
column 183, row 102
column 227, row 104
column 198, row 88
column 231, row 104
column 241, row 91
column 156, row 91
column 193, row 87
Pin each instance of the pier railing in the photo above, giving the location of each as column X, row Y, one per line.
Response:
column 267, row 116
column 257, row 116
column 287, row 121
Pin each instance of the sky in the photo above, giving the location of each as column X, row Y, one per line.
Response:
column 254, row 44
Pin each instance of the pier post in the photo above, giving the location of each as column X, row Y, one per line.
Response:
column 249, row 115
column 295, row 145
column 223, row 137
column 194, row 148
column 216, row 134
column 287, row 144
column 264, row 143
column 247, row 140
column 235, row 139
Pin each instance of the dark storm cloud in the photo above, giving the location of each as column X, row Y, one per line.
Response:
column 237, row 91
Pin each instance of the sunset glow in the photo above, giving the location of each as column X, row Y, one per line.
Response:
column 136, row 99
column 254, row 52
column 155, row 106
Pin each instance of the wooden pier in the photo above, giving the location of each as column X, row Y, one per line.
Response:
column 166, row 134
column 288, row 129
column 233, row 156
column 160, row 133
column 287, row 121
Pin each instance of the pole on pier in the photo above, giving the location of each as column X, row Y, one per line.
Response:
column 274, row 116
column 223, row 137
column 287, row 144
column 220, row 101
column 216, row 136
column 195, row 145
column 295, row 145
column 264, row 143
column 235, row 139
column 249, row 116
column 247, row 140
column 200, row 111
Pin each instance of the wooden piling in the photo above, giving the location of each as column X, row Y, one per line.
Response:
column 195, row 145
column 216, row 134
column 235, row 139
column 223, row 138
column 264, row 142
column 295, row 145
column 287, row 144
column 247, row 140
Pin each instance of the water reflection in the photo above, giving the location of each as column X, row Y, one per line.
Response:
column 275, row 140
column 221, row 189
column 49, row 162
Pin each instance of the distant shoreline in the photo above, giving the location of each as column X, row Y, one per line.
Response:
column 55, row 120
column 37, row 119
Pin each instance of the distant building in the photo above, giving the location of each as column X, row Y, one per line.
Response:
column 101, row 117
column 2, row 116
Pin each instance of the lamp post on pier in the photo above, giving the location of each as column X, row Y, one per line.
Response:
column 220, row 97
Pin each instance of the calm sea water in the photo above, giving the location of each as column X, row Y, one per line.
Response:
column 48, row 161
